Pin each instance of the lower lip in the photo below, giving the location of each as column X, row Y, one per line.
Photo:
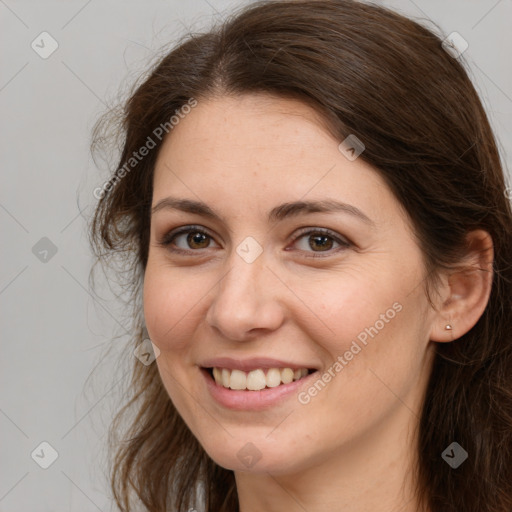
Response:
column 252, row 400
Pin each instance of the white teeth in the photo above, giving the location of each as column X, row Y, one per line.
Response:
column 238, row 379
column 286, row 375
column 226, row 377
column 256, row 380
column 273, row 377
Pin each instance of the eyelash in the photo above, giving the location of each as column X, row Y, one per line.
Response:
column 169, row 238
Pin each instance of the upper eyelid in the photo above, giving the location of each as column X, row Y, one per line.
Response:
column 186, row 229
column 183, row 230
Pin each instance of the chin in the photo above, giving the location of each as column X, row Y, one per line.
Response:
column 256, row 457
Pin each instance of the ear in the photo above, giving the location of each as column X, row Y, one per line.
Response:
column 465, row 291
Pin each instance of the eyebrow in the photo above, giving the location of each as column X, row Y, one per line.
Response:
column 285, row 210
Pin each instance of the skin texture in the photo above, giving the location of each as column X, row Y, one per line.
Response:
column 351, row 447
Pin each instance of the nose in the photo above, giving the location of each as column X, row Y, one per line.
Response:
column 246, row 301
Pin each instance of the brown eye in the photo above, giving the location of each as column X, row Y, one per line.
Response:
column 323, row 242
column 194, row 239
column 320, row 240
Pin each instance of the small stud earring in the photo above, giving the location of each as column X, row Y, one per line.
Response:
column 448, row 327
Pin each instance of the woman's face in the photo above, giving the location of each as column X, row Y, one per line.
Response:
column 263, row 286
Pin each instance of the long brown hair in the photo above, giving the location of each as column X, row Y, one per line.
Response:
column 388, row 80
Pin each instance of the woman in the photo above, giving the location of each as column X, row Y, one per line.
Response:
column 312, row 206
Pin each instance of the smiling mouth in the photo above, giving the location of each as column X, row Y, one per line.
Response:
column 258, row 379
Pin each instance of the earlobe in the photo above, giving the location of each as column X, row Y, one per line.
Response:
column 468, row 290
column 443, row 332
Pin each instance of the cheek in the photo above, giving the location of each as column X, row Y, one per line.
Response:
column 171, row 306
column 371, row 323
column 347, row 305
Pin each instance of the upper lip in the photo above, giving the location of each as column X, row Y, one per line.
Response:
column 252, row 363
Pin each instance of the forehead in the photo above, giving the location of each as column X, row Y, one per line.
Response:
column 249, row 133
column 250, row 122
column 260, row 149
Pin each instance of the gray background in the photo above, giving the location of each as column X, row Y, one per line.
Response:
column 54, row 330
